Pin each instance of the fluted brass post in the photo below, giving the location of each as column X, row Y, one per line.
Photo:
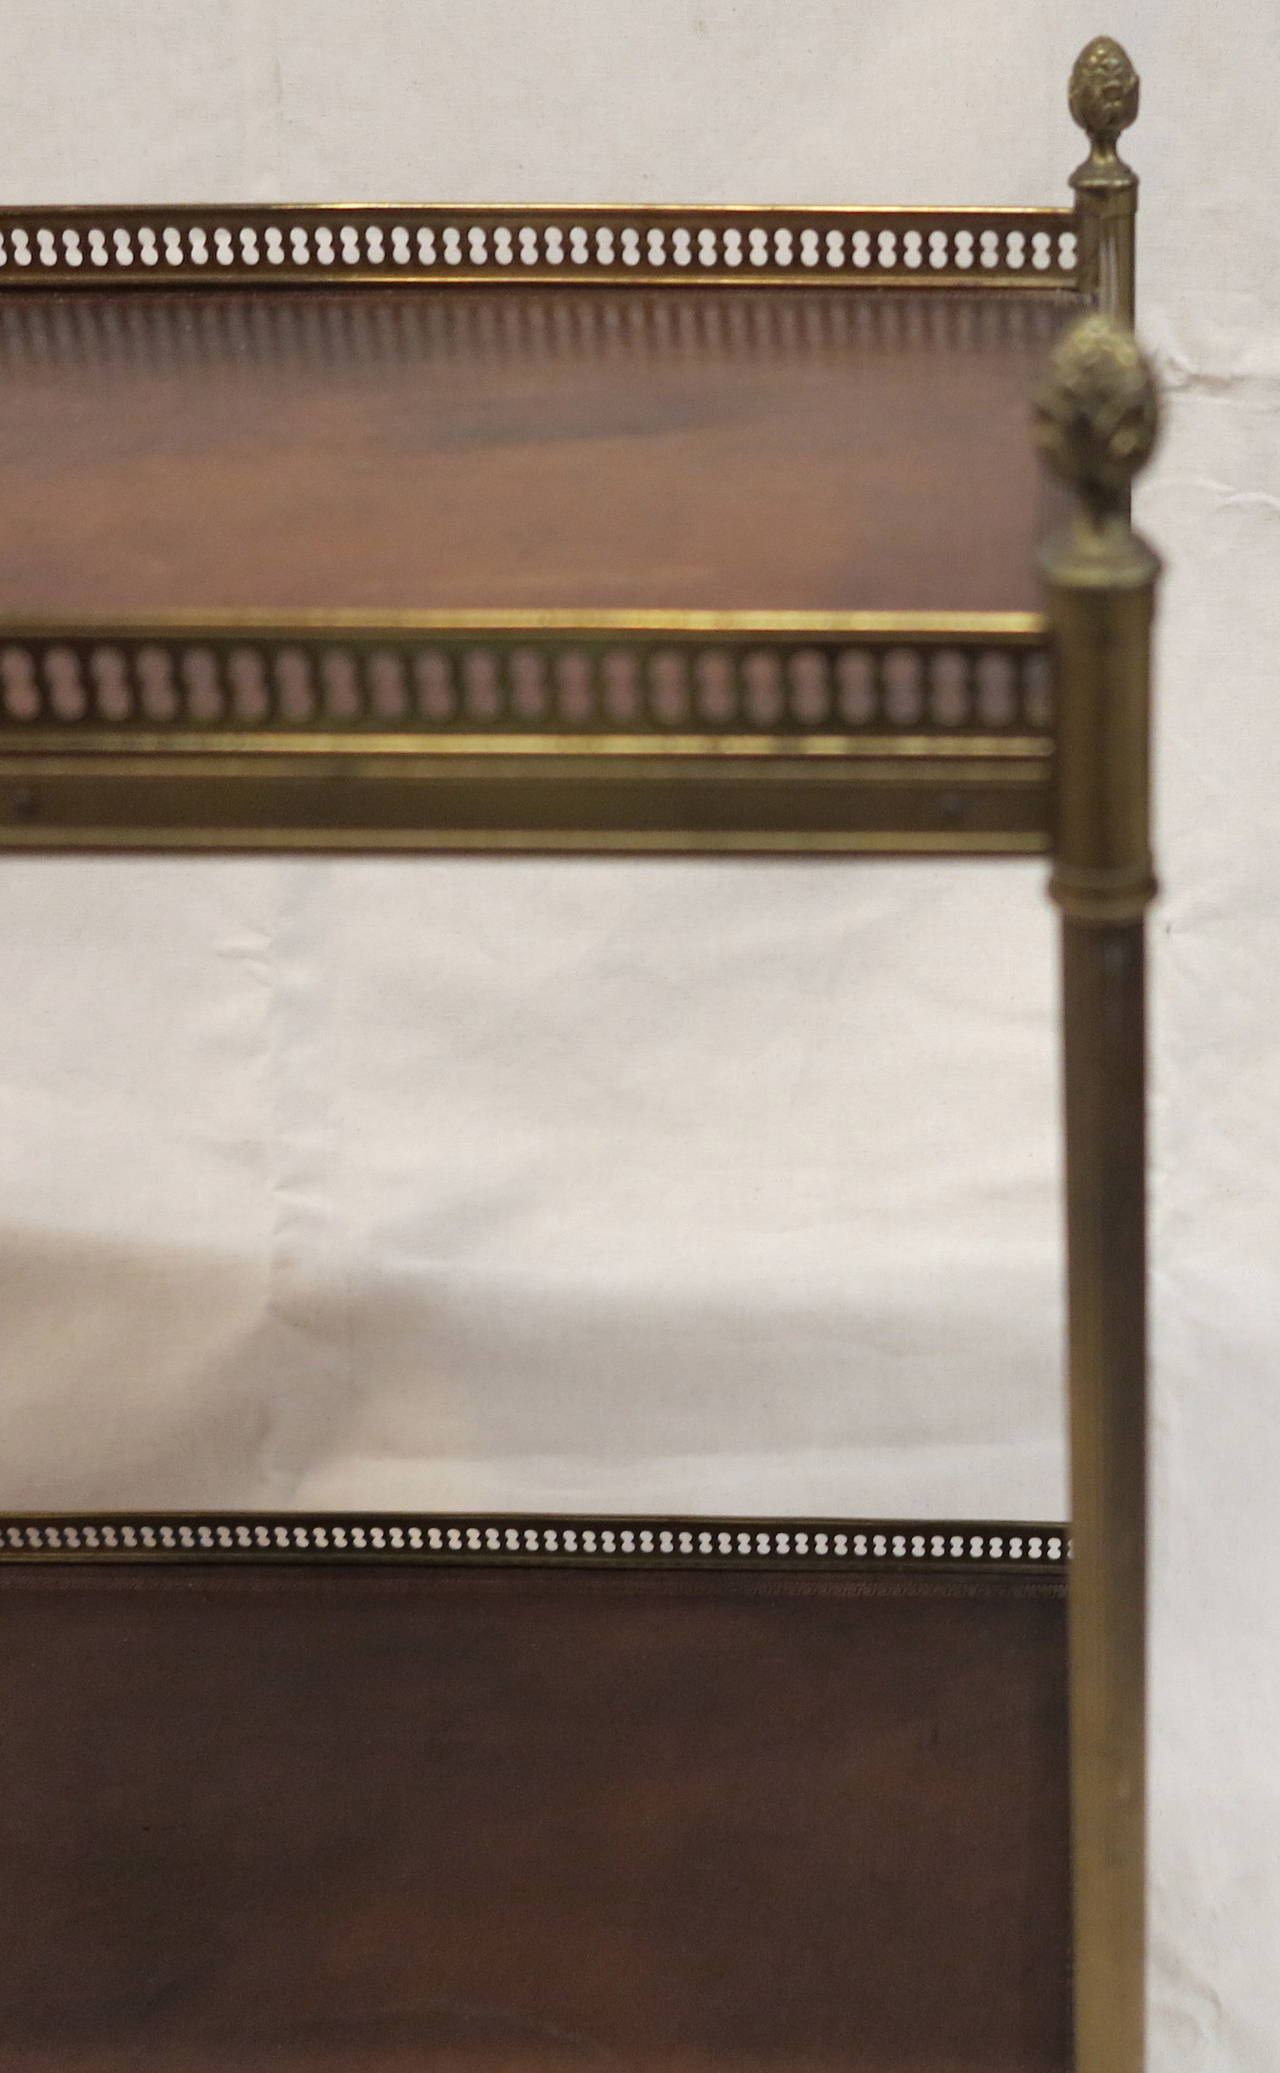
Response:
column 1103, row 99
column 1097, row 423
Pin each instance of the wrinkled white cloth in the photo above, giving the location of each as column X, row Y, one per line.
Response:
column 558, row 1185
column 719, row 1187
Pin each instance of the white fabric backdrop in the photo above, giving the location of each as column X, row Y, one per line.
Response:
column 725, row 1187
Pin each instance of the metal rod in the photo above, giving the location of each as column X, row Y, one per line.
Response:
column 1103, row 976
column 1098, row 423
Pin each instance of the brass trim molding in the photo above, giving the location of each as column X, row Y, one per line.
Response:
column 526, row 1540
column 1018, row 629
column 257, row 245
column 587, row 732
column 677, row 733
column 906, row 801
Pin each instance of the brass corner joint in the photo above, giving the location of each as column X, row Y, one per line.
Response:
column 1103, row 99
column 1097, row 418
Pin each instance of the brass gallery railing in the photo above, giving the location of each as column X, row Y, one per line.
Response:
column 892, row 1547
column 134, row 247
column 608, row 731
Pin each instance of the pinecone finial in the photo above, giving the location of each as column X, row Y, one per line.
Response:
column 1103, row 95
column 1096, row 411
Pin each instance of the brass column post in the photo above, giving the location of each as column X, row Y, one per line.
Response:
column 1097, row 423
column 1104, row 101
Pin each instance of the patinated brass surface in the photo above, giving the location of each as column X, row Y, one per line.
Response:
column 1103, row 98
column 1097, row 418
column 799, row 732
column 1098, row 422
column 1097, row 415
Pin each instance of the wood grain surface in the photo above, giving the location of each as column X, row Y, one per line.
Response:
column 513, row 1822
column 512, row 446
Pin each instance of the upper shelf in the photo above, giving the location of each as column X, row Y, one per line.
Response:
column 656, row 528
column 520, row 448
column 651, row 529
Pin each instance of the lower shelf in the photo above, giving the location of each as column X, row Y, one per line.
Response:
column 296, row 1816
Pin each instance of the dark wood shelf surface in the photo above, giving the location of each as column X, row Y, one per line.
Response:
column 522, row 1823
column 825, row 448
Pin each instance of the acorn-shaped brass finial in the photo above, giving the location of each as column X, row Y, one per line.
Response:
column 1096, row 411
column 1103, row 95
